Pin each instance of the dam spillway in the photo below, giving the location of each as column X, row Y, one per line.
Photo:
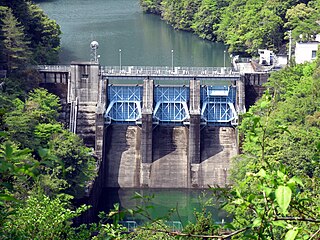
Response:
column 154, row 127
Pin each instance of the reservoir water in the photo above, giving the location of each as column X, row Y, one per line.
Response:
column 144, row 40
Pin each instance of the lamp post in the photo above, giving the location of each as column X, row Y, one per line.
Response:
column 290, row 47
column 224, row 59
column 172, row 59
column 120, row 59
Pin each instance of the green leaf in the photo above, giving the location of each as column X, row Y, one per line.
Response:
column 291, row 234
column 264, row 104
column 282, row 224
column 43, row 152
column 281, row 175
column 229, row 226
column 137, row 196
column 261, row 173
column 267, row 190
column 8, row 150
column 3, row 134
column 296, row 180
column 256, row 222
column 251, row 197
column 130, row 211
column 238, row 193
column 238, row 201
column 5, row 197
column 283, row 197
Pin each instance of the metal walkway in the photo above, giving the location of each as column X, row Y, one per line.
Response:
column 167, row 71
column 156, row 71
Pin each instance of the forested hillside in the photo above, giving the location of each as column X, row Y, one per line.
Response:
column 27, row 35
column 243, row 25
column 42, row 165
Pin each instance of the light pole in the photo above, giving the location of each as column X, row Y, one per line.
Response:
column 172, row 59
column 224, row 59
column 120, row 59
column 290, row 46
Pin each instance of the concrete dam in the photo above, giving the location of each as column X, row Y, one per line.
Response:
column 154, row 127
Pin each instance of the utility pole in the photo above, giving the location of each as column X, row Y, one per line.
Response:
column 290, row 47
column 120, row 59
column 172, row 60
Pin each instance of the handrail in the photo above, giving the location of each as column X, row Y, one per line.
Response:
column 152, row 70
column 65, row 68
column 167, row 71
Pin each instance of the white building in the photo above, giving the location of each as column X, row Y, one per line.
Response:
column 306, row 51
column 265, row 57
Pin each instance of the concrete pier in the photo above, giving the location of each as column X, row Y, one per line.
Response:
column 146, row 132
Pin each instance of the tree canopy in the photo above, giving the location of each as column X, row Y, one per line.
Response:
column 241, row 24
column 27, row 35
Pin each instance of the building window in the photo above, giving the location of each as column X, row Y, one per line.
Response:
column 313, row 54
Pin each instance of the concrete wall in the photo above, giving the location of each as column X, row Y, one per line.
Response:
column 218, row 146
column 169, row 167
column 253, row 87
column 305, row 51
column 122, row 156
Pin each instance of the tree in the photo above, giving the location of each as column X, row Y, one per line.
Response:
column 43, row 218
column 14, row 46
column 267, row 201
column 207, row 18
column 151, row 6
column 66, row 163
column 303, row 20
column 75, row 164
column 40, row 107
column 43, row 33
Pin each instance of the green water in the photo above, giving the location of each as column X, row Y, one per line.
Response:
column 144, row 39
column 184, row 201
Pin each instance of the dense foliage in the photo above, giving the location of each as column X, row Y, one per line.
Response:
column 241, row 24
column 276, row 191
column 42, row 167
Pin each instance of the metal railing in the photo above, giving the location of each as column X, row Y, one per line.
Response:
column 167, row 71
column 151, row 70
column 53, row 68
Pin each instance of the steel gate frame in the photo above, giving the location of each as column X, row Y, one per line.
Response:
column 124, row 103
column 171, row 104
column 218, row 105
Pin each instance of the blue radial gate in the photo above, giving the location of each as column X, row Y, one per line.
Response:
column 171, row 104
column 124, row 104
column 218, row 105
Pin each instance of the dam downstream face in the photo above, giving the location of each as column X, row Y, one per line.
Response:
column 169, row 165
